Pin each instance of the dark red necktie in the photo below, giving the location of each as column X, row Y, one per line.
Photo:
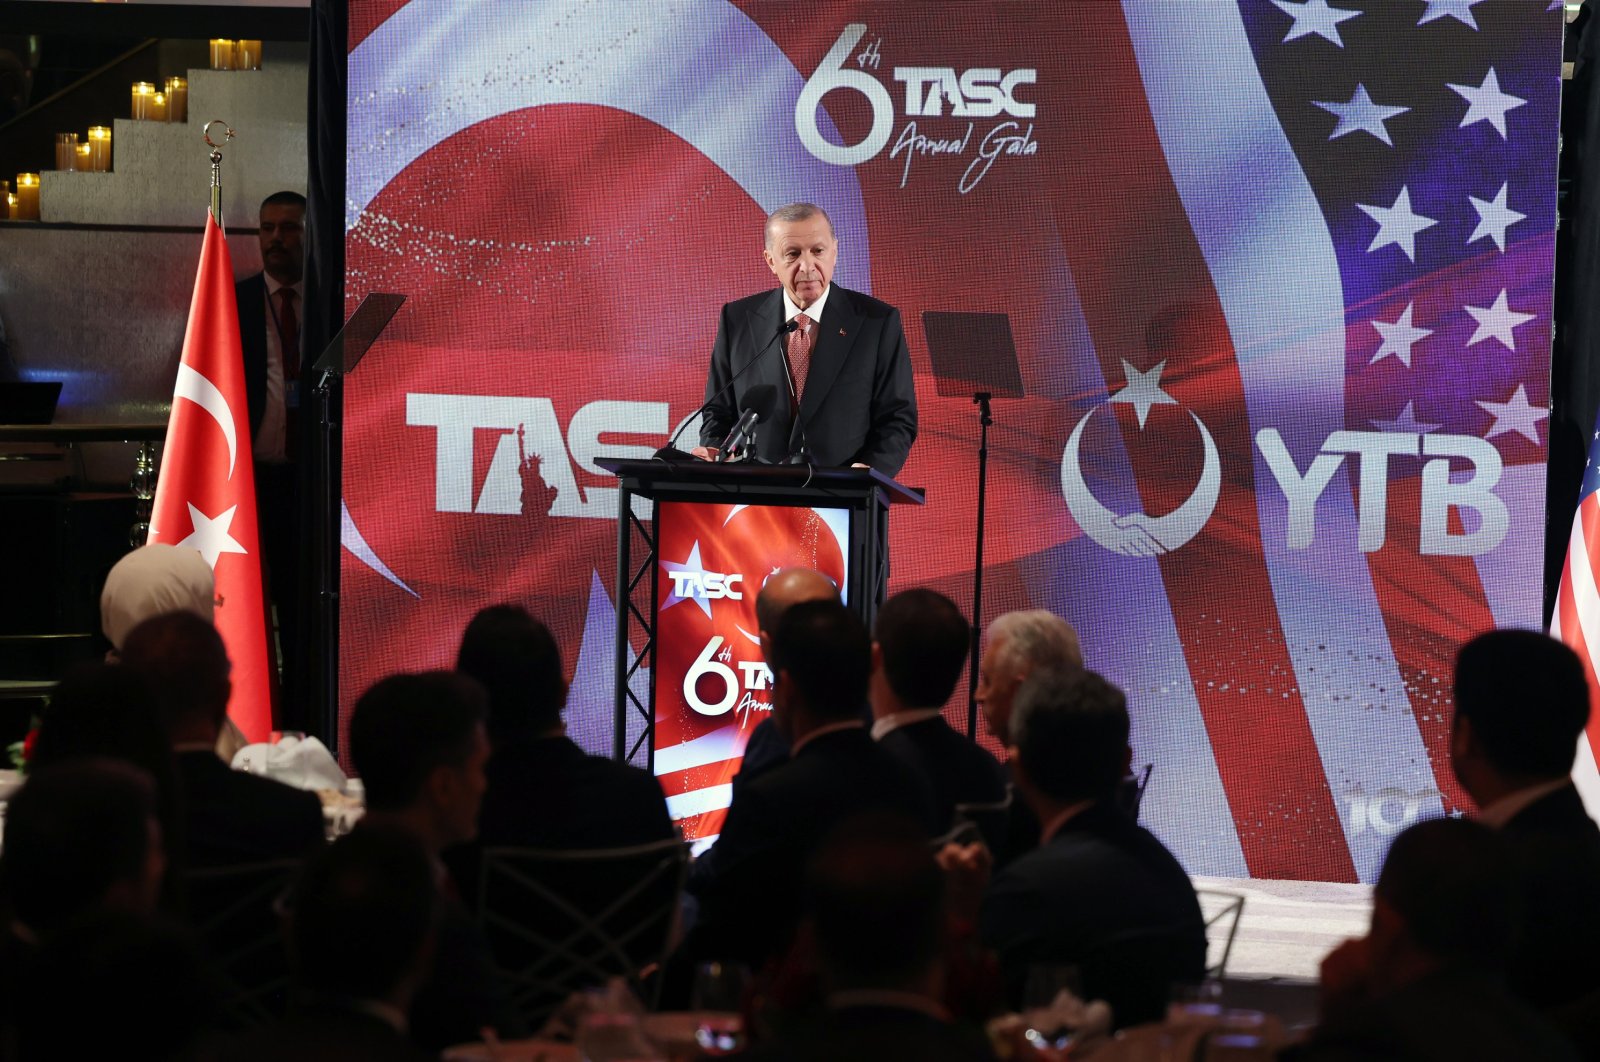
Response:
column 800, row 342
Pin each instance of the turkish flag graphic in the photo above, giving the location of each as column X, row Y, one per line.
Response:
column 206, row 494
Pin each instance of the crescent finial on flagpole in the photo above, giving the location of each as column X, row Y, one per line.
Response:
column 216, row 164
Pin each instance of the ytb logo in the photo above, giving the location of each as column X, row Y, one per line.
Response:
column 706, row 586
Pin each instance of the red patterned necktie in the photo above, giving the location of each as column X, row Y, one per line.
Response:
column 800, row 341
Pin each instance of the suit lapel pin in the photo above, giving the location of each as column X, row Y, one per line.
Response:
column 841, row 331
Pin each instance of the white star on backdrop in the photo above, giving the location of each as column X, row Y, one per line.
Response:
column 1460, row 10
column 1314, row 16
column 1515, row 414
column 1493, row 218
column 1498, row 321
column 1397, row 224
column 1486, row 103
column 1143, row 390
column 210, row 535
column 690, row 564
column 1361, row 115
column 1407, row 422
column 1398, row 337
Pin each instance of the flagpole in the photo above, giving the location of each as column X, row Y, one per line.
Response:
column 216, row 166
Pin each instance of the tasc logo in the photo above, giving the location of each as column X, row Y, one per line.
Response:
column 929, row 92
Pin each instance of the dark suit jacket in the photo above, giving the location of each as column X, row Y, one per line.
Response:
column 958, row 771
column 251, row 296
column 1557, row 850
column 858, row 404
column 1104, row 895
column 549, row 793
column 235, row 817
column 1453, row 1015
column 750, row 906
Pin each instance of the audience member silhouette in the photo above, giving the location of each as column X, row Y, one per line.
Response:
column 544, row 791
column 230, row 816
column 1521, row 705
column 419, row 745
column 1017, row 644
column 821, row 659
column 108, row 711
column 1427, row 982
column 1100, row 892
column 81, row 837
column 767, row 746
column 360, row 931
column 919, row 650
column 876, row 921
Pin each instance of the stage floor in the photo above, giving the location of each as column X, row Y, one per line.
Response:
column 1288, row 926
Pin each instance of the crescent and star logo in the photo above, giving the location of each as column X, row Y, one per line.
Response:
column 1138, row 534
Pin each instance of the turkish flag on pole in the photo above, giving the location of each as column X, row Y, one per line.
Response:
column 206, row 493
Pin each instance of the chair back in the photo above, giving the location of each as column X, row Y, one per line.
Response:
column 561, row 921
column 238, row 912
column 992, row 821
column 1222, row 911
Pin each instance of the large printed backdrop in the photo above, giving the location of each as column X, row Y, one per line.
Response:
column 1278, row 276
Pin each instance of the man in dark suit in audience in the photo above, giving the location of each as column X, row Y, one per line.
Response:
column 875, row 914
column 544, row 791
column 917, row 656
column 1521, row 706
column 360, row 931
column 767, row 746
column 231, row 817
column 821, row 658
column 419, row 744
column 1100, row 892
column 1427, row 982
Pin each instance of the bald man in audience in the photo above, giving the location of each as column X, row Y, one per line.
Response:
column 231, row 816
column 767, row 746
column 1522, row 703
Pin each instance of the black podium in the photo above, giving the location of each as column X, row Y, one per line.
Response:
column 837, row 514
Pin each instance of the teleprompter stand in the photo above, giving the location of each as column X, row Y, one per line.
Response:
column 866, row 495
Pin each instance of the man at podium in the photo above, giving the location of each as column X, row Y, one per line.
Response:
column 837, row 356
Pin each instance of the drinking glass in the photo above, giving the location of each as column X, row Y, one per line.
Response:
column 717, row 998
column 1043, row 1005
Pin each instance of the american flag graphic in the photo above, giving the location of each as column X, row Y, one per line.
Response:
column 1577, row 614
column 1279, row 275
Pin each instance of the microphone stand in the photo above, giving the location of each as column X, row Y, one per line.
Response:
column 985, row 418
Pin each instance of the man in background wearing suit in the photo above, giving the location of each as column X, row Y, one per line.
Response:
column 231, row 817
column 820, row 663
column 917, row 656
column 1521, row 706
column 271, row 306
column 844, row 366
column 1100, row 892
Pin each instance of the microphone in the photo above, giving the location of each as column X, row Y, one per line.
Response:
column 670, row 452
column 757, row 407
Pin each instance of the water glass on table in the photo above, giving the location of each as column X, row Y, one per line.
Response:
column 1049, row 990
column 717, row 999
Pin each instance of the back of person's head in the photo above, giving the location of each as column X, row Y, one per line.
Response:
column 1451, row 884
column 153, row 580
column 516, row 660
column 408, row 725
column 1070, row 729
column 116, row 984
column 924, row 640
column 362, row 914
column 875, row 900
column 788, row 588
column 824, row 648
column 182, row 660
column 1034, row 638
column 80, row 836
column 1527, row 700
